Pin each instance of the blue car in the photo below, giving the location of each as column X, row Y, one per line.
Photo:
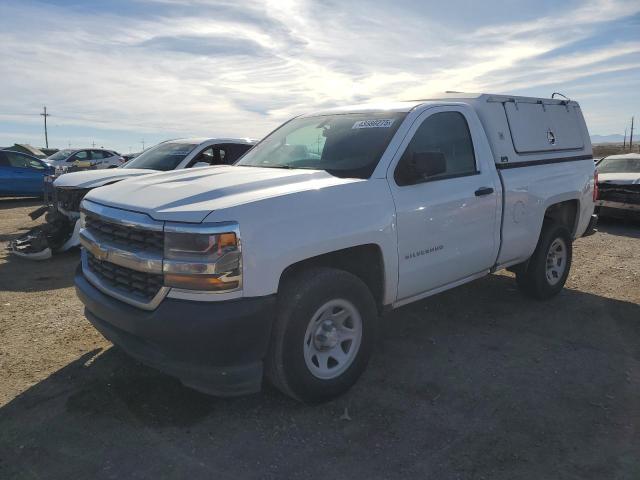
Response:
column 22, row 175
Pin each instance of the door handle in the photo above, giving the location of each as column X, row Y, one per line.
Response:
column 484, row 191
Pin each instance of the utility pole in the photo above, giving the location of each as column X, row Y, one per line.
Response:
column 93, row 144
column 142, row 142
column 631, row 136
column 46, row 137
column 624, row 142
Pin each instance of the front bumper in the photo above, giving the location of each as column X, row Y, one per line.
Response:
column 214, row 347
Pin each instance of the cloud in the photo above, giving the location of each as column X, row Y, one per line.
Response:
column 215, row 46
column 173, row 67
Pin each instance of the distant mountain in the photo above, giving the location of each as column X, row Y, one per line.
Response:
column 615, row 138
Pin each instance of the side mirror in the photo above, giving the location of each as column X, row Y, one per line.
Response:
column 421, row 166
column 201, row 164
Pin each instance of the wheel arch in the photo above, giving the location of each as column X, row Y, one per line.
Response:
column 565, row 213
column 364, row 261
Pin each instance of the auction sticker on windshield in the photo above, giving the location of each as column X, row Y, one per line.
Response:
column 381, row 123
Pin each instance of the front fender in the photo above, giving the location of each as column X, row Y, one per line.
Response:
column 281, row 231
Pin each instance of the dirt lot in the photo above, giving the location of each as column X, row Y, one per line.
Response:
column 477, row 382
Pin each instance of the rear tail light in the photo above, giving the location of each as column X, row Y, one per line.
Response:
column 596, row 193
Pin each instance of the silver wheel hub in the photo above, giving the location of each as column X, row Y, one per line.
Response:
column 332, row 339
column 556, row 261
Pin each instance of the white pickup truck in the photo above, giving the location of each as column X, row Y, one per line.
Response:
column 280, row 265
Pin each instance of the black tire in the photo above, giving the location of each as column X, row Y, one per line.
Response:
column 532, row 277
column 299, row 298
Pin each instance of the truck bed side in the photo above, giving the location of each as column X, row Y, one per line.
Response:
column 529, row 191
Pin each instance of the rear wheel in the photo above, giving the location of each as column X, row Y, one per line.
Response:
column 548, row 268
column 323, row 335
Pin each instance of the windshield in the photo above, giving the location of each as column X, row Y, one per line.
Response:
column 619, row 165
column 345, row 145
column 61, row 154
column 164, row 156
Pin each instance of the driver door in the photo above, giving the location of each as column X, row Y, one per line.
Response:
column 445, row 223
column 80, row 159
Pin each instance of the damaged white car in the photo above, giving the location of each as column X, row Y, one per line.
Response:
column 619, row 185
column 60, row 231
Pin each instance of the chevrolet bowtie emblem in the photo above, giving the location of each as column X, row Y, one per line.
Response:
column 99, row 253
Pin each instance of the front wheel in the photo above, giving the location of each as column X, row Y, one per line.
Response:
column 323, row 335
column 548, row 268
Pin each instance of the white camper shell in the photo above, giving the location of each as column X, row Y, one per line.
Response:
column 529, row 129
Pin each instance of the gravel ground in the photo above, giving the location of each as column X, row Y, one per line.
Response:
column 477, row 382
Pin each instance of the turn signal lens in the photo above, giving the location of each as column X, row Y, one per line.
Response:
column 199, row 282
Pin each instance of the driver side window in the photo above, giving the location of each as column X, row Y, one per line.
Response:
column 210, row 155
column 81, row 155
column 21, row 161
column 445, row 135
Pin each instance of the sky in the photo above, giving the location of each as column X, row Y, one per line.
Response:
column 117, row 73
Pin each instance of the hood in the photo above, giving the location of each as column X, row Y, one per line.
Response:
column 192, row 194
column 623, row 178
column 97, row 178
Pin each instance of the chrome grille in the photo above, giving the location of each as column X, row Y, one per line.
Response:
column 125, row 236
column 139, row 285
column 122, row 254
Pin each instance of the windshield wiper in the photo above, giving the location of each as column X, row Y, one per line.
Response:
column 283, row 167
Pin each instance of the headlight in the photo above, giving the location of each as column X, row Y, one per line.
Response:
column 203, row 257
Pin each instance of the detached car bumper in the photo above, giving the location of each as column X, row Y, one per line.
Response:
column 214, row 347
column 630, row 207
